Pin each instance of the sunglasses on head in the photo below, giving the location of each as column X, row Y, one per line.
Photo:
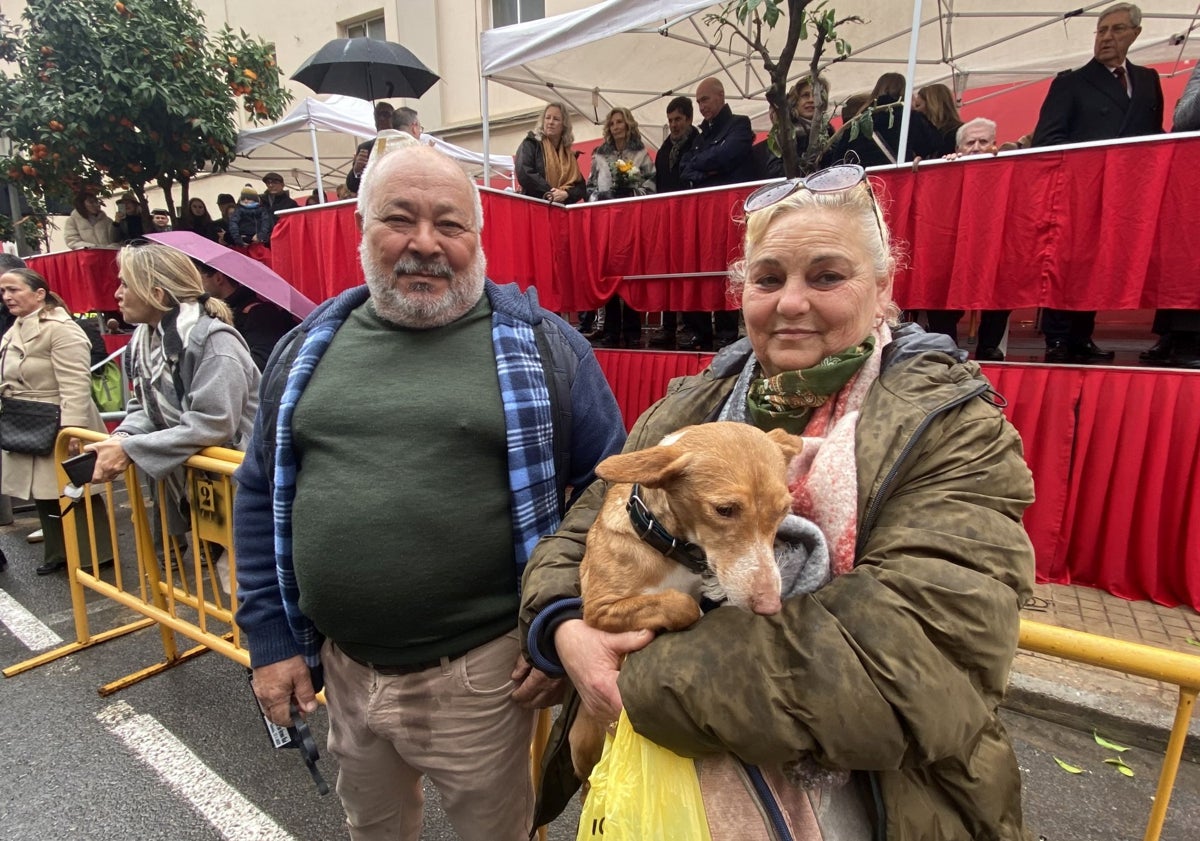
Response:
column 835, row 179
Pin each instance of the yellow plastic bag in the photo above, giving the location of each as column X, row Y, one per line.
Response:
column 642, row 791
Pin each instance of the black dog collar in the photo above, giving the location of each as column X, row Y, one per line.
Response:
column 652, row 532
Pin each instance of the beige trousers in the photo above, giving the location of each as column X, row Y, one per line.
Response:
column 454, row 723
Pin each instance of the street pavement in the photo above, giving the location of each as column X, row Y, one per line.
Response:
column 183, row 755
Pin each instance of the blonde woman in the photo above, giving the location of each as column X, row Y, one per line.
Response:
column 45, row 356
column 545, row 162
column 621, row 166
column 194, row 382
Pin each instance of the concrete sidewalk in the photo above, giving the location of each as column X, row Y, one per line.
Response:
column 1125, row 709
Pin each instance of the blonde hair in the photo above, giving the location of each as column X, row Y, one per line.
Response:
column 855, row 203
column 634, row 132
column 147, row 267
column 568, row 136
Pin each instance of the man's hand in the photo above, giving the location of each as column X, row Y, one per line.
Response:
column 277, row 684
column 535, row 689
column 593, row 659
column 111, row 459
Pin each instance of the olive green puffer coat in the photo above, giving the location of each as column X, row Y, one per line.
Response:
column 895, row 668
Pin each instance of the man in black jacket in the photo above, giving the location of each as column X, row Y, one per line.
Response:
column 1106, row 98
column 261, row 323
column 720, row 156
column 667, row 178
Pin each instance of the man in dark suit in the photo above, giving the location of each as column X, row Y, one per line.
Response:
column 667, row 178
column 720, row 156
column 1106, row 98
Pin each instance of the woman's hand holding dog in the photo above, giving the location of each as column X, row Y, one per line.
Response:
column 592, row 659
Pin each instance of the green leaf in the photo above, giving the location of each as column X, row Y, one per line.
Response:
column 1120, row 765
column 1192, row 641
column 1105, row 743
column 1070, row 769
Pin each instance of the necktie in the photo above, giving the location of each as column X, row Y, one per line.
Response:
column 1119, row 73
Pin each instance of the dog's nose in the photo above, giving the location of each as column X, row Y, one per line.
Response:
column 766, row 603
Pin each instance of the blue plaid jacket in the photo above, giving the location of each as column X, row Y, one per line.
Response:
column 522, row 334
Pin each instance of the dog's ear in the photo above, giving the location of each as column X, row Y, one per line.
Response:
column 792, row 445
column 652, row 467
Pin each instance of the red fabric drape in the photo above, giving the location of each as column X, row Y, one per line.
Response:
column 1101, row 228
column 1115, row 456
column 85, row 279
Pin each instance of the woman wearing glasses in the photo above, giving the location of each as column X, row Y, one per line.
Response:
column 869, row 703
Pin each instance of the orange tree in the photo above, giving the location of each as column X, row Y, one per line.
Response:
column 126, row 95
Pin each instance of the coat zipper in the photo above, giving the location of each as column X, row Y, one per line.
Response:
column 868, row 521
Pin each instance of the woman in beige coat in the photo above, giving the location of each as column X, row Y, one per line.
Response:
column 88, row 226
column 45, row 356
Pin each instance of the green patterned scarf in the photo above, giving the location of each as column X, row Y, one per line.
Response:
column 787, row 400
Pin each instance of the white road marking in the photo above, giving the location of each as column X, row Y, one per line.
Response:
column 231, row 814
column 25, row 626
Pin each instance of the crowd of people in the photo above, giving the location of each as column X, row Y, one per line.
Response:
column 1105, row 99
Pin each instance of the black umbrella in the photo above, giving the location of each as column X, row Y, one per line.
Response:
column 366, row 68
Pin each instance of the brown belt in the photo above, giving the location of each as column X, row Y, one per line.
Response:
column 407, row 669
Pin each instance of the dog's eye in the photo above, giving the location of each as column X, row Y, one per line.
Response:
column 726, row 511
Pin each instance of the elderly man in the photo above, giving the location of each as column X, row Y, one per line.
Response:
column 384, row 112
column 406, row 119
column 975, row 137
column 1106, row 98
column 383, row 519
column 720, row 156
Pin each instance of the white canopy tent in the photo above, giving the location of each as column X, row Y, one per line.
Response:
column 640, row 54
column 343, row 115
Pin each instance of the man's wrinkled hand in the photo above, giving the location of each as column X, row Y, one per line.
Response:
column 534, row 688
column 277, row 684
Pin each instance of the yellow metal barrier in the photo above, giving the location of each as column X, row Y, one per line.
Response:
column 179, row 598
column 1174, row 667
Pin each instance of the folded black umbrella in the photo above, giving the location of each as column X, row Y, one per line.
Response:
column 366, row 68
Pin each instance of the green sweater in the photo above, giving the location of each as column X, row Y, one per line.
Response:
column 403, row 535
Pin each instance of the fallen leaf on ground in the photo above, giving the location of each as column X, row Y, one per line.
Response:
column 1120, row 765
column 1105, row 743
column 1070, row 769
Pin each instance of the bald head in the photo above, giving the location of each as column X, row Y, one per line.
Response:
column 420, row 217
column 399, row 159
column 710, row 97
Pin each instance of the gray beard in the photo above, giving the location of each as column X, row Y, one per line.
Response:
column 391, row 304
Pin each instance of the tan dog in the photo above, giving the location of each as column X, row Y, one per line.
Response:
column 719, row 490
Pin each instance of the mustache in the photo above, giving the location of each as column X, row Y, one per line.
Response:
column 413, row 266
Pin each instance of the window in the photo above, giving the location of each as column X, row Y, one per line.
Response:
column 370, row 28
column 507, row 12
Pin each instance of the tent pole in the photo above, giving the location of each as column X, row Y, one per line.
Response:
column 487, row 137
column 914, row 38
column 312, row 131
